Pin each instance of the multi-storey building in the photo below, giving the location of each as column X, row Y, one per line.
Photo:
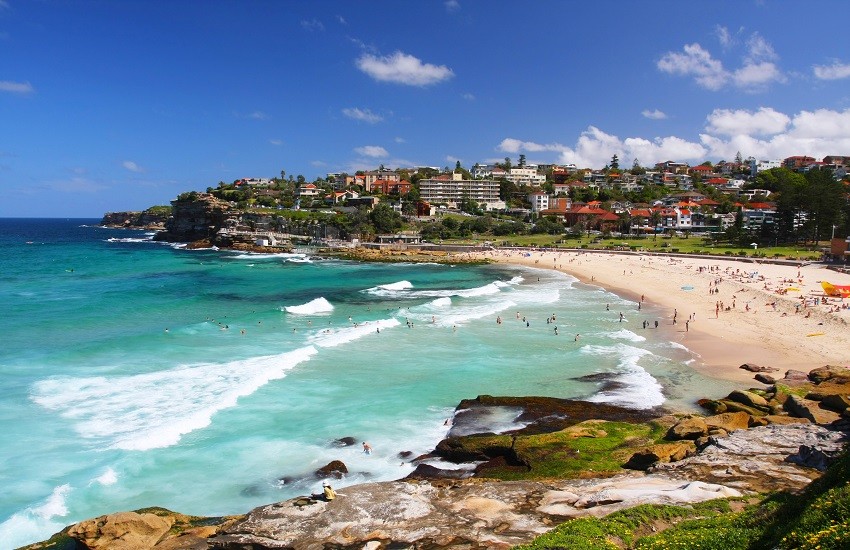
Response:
column 452, row 189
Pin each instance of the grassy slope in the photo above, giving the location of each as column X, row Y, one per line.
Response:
column 818, row 518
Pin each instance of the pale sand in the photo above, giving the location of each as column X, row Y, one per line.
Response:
column 761, row 335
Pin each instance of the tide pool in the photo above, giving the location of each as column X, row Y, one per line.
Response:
column 137, row 373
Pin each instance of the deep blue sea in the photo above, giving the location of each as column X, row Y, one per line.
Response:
column 135, row 373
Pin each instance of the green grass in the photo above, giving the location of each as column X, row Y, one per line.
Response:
column 587, row 449
column 691, row 245
column 819, row 518
column 623, row 528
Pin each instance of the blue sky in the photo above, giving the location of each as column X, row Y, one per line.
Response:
column 122, row 104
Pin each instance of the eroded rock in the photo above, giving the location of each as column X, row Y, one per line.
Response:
column 121, row 531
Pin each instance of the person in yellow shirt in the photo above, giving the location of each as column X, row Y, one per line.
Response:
column 328, row 491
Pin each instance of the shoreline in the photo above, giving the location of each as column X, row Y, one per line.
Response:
column 753, row 331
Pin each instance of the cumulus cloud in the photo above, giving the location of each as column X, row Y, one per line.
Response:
column 402, row 68
column 764, row 134
column 655, row 114
column 757, row 71
column 451, row 5
column 364, row 115
column 697, row 62
column 374, row 151
column 16, row 87
column 836, row 71
column 511, row 145
column 312, row 25
column 765, row 121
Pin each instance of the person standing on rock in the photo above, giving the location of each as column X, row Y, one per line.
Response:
column 367, row 448
column 328, row 491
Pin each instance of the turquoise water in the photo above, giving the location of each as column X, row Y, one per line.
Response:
column 137, row 373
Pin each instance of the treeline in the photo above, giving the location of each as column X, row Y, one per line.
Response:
column 809, row 207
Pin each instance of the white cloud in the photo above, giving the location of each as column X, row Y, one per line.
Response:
column 697, row 62
column 765, row 121
column 374, row 151
column 758, row 70
column 759, row 49
column 400, row 140
column 16, row 87
column 655, row 114
column 364, row 115
column 468, row 96
column 511, row 145
column 133, row 167
column 835, row 71
column 754, row 77
column 3, row 4
column 277, row 142
column 723, row 36
column 341, row 19
column 453, row 160
column 312, row 25
column 401, row 68
column 258, row 115
column 764, row 134
column 318, row 163
column 451, row 5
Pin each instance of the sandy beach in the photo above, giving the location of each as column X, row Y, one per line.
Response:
column 771, row 315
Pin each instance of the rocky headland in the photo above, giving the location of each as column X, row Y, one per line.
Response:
column 566, row 459
column 152, row 219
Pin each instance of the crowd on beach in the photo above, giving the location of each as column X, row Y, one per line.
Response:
column 750, row 310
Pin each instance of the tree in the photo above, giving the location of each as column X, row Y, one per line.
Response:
column 283, row 174
column 384, row 218
column 457, row 166
column 521, row 161
column 738, row 158
column 507, row 165
column 615, row 162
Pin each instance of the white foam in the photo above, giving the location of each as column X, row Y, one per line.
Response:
column 31, row 524
column 400, row 285
column 292, row 257
column 677, row 345
column 153, row 410
column 461, row 315
column 313, row 307
column 640, row 390
column 398, row 290
column 129, row 240
column 330, row 338
column 108, row 477
column 440, row 302
column 625, row 334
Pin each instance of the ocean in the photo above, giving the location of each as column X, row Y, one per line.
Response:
column 135, row 373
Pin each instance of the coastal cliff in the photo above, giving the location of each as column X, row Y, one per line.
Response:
column 568, row 460
column 152, row 218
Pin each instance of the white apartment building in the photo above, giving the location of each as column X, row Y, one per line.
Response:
column 452, row 189
column 526, row 175
column 539, row 201
column 757, row 166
